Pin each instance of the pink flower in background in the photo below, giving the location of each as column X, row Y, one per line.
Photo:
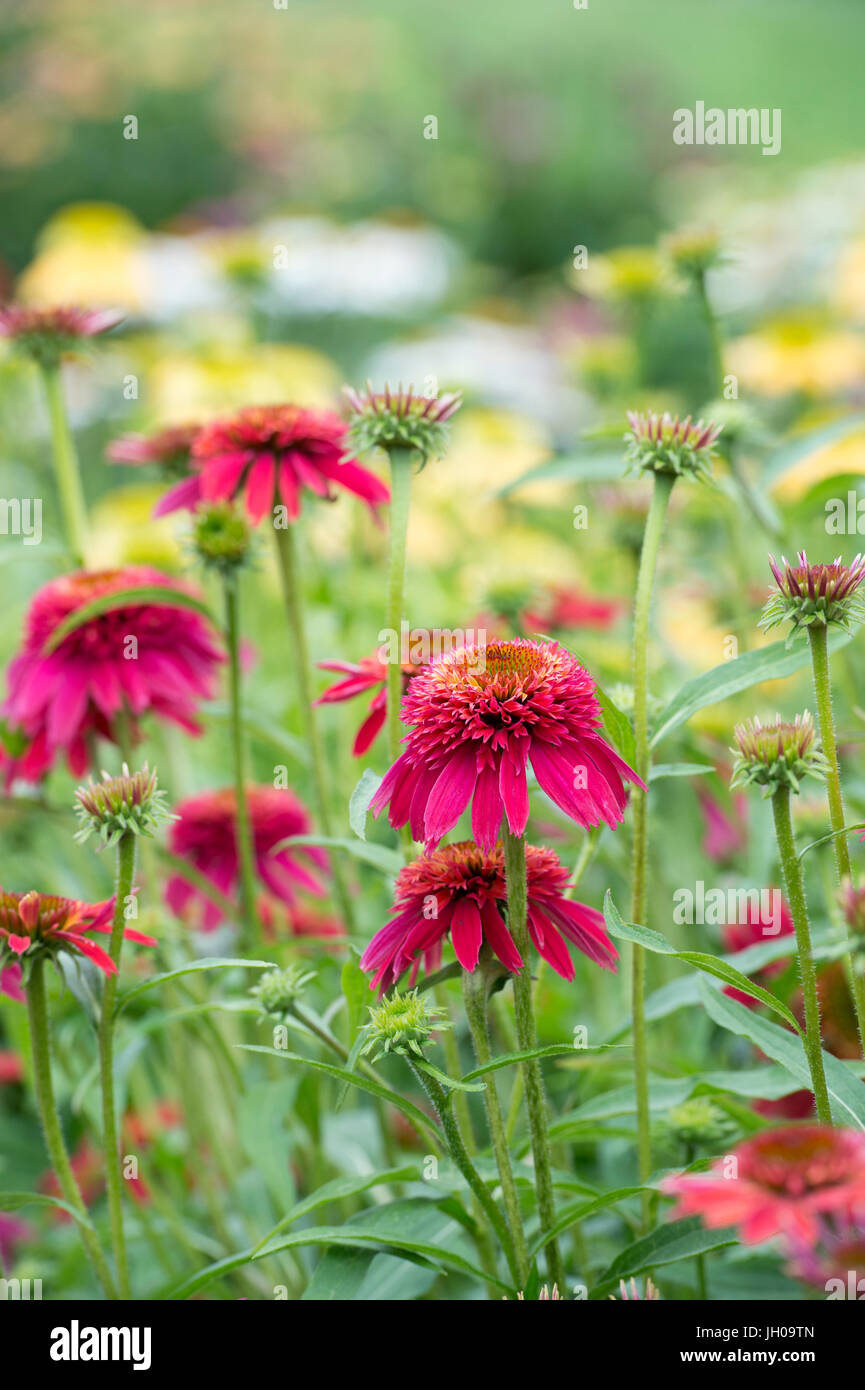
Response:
column 783, row 1181
column 12, row 1234
column 468, row 889
column 268, row 455
column 171, row 449
column 41, row 921
column 754, row 931
column 47, row 333
column 10, row 983
column 11, row 1068
column 369, row 674
column 204, row 836
column 138, row 658
column 569, row 607
column 480, row 716
column 725, row 831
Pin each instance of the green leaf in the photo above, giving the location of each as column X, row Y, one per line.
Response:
column 678, row 1240
column 709, row 965
column 389, row 861
column 752, row 668
column 792, row 451
column 359, row 1079
column 512, row 1059
column 355, row 988
column 13, row 1201
column 447, row 1081
column 846, row 1092
column 618, row 726
column 578, row 1211
column 206, row 963
column 339, row 1188
column 594, row 466
column 125, row 598
column 358, row 805
column 661, row 770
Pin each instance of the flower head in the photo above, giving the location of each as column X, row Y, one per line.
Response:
column 479, row 716
column 277, row 990
column 46, row 335
column 663, row 444
column 73, row 679
column 809, row 595
column 782, row 1180
column 400, row 420
column 759, row 926
column 460, row 889
column 403, row 1023
column 171, row 450
column 269, row 454
column 693, row 251
column 777, row 755
column 39, row 924
column 204, row 836
column 131, row 803
column 369, row 674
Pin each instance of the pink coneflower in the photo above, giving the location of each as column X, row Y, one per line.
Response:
column 460, row 890
column 479, row 716
column 782, row 1181
column 46, row 334
column 725, row 830
column 568, row 608
column 370, row 673
column 171, row 450
column 31, row 923
column 135, row 659
column 837, row 1266
column 205, row 837
column 268, row 455
column 12, row 1234
column 757, row 928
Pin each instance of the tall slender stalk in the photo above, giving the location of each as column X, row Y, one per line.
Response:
column 287, row 559
column 663, row 486
column 66, row 468
column 458, row 1152
column 400, row 502
column 40, row 1043
column 242, row 823
column 795, row 889
column 819, row 636
column 126, row 846
column 527, row 1037
column 474, row 996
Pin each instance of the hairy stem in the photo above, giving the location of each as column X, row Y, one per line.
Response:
column 66, row 469
column 242, row 823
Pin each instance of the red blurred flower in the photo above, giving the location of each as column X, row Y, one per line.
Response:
column 755, row 930
column 12, row 1233
column 88, row 1165
column 10, row 982
column 480, row 714
column 370, row 673
column 205, row 837
column 460, row 890
column 170, row 448
column 11, row 1068
column 46, row 334
column 269, row 454
column 134, row 659
column 725, row 830
column 782, row 1181
column 30, row 922
column 567, row 608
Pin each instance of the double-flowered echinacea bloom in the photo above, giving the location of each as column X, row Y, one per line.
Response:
column 268, row 455
column 73, row 680
column 779, row 1182
column 33, row 924
column 480, row 716
column 460, row 890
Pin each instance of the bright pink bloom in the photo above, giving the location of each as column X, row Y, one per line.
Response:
column 30, row 922
column 93, row 677
column 370, row 673
column 480, row 715
column 268, row 454
column 170, row 448
column 568, row 608
column 782, row 1182
column 205, row 837
column 467, row 888
column 725, row 831
column 10, row 983
column 754, row 931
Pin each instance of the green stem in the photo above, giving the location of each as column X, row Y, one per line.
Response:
column 527, row 1037
column 795, row 888
column 287, row 559
column 113, row 1175
column 460, row 1156
column 66, row 466
column 243, row 825
column 40, row 1043
column 400, row 501
column 474, row 996
column 716, row 355
column 648, row 562
column 819, row 636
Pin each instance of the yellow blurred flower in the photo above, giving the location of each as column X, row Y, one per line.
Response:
column 124, row 533
column 221, row 378
column 88, row 254
column 627, row 273
column 849, row 289
column 844, row 456
column 797, row 354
